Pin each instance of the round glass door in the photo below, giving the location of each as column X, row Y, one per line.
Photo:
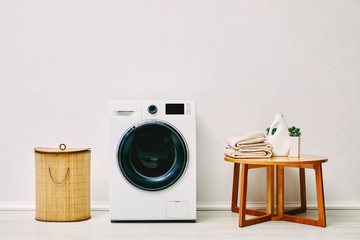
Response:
column 152, row 155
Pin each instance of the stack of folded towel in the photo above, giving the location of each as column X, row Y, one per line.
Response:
column 253, row 145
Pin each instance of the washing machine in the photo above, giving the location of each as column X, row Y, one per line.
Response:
column 152, row 161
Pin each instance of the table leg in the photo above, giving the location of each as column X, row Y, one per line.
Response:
column 320, row 195
column 302, row 189
column 321, row 222
column 270, row 190
column 261, row 216
column 235, row 190
column 280, row 191
column 243, row 195
column 302, row 207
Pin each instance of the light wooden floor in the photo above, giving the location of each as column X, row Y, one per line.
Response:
column 341, row 224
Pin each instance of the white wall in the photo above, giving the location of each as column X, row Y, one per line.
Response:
column 242, row 61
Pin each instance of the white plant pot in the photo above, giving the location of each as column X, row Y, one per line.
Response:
column 294, row 147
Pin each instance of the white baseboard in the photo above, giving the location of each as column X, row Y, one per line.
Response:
column 201, row 206
column 218, row 206
column 17, row 206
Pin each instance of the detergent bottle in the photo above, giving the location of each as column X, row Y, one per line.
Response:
column 280, row 140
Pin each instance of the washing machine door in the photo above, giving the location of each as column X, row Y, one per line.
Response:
column 152, row 155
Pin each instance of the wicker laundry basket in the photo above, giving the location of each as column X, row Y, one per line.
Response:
column 62, row 184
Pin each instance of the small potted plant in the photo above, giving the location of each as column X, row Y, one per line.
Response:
column 295, row 134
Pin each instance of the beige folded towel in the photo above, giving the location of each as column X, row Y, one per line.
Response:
column 257, row 146
column 245, row 154
column 256, row 137
column 252, row 145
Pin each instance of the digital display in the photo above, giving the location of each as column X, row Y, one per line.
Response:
column 175, row 108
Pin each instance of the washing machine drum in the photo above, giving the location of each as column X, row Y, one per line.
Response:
column 152, row 155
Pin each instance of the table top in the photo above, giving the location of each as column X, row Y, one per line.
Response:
column 286, row 161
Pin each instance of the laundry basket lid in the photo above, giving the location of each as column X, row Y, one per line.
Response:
column 61, row 149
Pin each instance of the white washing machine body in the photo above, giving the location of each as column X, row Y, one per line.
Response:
column 152, row 161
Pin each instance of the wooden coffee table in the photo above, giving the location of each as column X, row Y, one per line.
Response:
column 304, row 161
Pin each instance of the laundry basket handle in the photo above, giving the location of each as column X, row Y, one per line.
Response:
column 67, row 172
column 62, row 146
